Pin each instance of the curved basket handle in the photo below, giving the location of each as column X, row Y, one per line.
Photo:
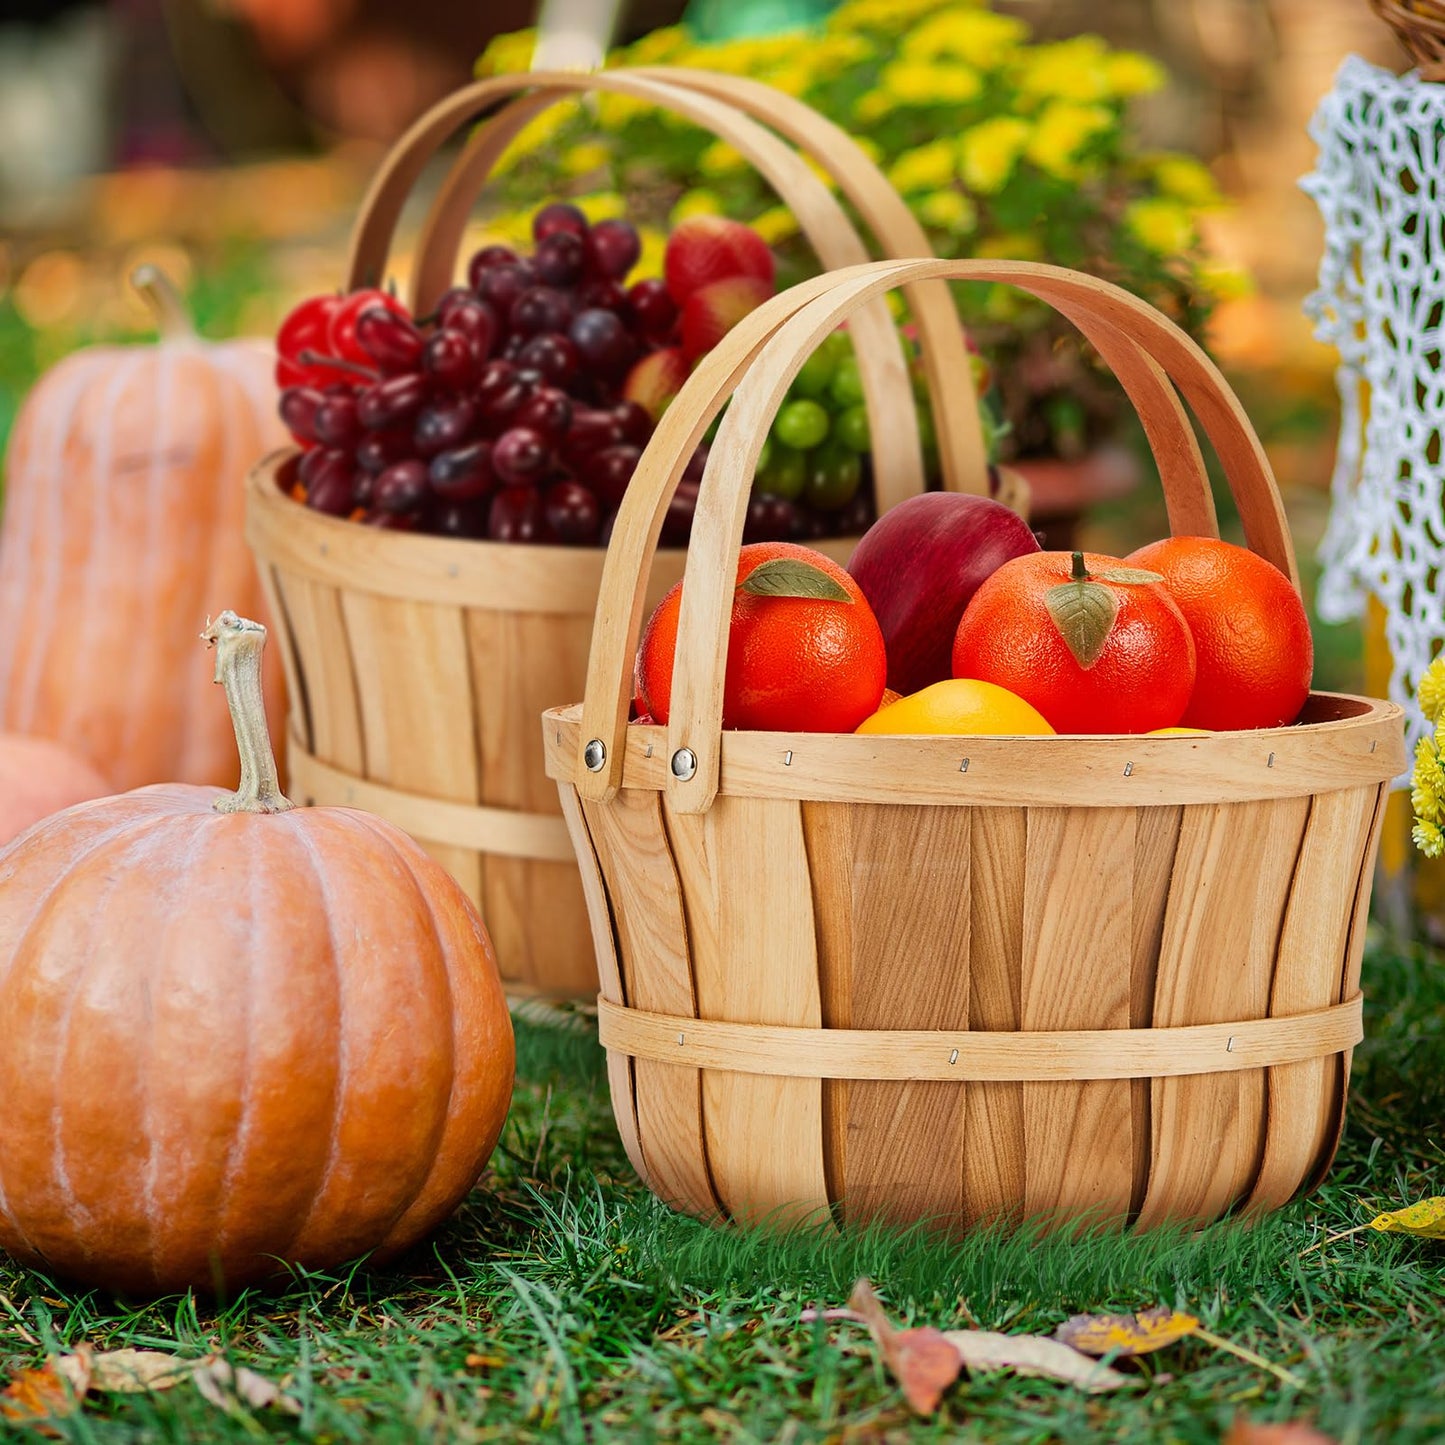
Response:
column 887, row 391
column 962, row 454
column 1151, row 350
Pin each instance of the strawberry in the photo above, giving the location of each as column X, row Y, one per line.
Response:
column 708, row 315
column 707, row 249
column 655, row 380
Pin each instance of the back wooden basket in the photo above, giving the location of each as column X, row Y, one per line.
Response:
column 417, row 665
column 965, row 979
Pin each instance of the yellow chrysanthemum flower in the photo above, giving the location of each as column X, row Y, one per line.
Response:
column 537, row 134
column 654, row 248
column 831, row 54
column 1009, row 246
column 1184, row 178
column 870, row 148
column 987, row 153
column 721, row 159
column 1431, row 691
column 1069, row 70
column 1426, row 775
column 657, row 46
column 614, row 111
column 948, row 210
column 601, row 206
column 978, row 36
column 1164, row 226
column 1128, row 73
column 1225, row 283
column 872, row 106
column 821, row 171
column 1429, row 839
column 776, row 224
column 1063, row 129
column 925, row 168
column 917, row 83
column 697, row 202
column 891, row 15
column 508, row 54
column 589, row 156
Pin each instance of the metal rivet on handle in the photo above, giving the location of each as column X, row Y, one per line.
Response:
column 595, row 755
column 684, row 764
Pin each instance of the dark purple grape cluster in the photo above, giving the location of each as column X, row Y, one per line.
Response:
column 502, row 415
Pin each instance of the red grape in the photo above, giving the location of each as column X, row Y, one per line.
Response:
column 559, row 216
column 442, row 425
column 342, row 340
column 541, row 308
column 634, row 421
column 696, row 464
column 561, row 259
column 378, row 451
column 485, row 260
column 388, row 338
column 400, row 488
column 602, row 294
column 390, row 403
column 500, row 392
column 602, row 340
column 327, row 475
column 304, row 329
column 552, row 355
column 450, row 359
column 572, row 513
column 298, row 410
column 591, row 430
column 461, row 519
column 613, row 248
column 463, row 473
column 770, row 519
column 653, row 309
column 461, row 311
column 404, row 522
column 516, row 516
column 336, row 423
column 521, row 457
column 677, row 521
column 547, row 411
column 610, row 470
column 502, row 285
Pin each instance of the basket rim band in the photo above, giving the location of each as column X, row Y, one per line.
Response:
column 538, row 837
column 959, row 1056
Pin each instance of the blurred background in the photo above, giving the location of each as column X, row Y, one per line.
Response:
column 230, row 140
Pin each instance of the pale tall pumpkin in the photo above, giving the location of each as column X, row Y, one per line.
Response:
column 123, row 506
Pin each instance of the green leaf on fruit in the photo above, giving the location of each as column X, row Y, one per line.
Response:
column 1084, row 613
column 1130, row 576
column 793, row 577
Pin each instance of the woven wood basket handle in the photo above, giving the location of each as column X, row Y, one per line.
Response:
column 1151, row 355
column 897, row 456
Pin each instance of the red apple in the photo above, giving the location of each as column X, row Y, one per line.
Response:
column 919, row 566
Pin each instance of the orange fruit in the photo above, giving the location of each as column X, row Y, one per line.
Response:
column 795, row 663
column 1251, row 633
column 960, row 705
column 1177, row 733
column 1094, row 646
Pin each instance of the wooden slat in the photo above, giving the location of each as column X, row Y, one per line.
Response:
column 1231, row 879
column 405, row 655
column 993, row 1172
column 1313, row 945
column 323, row 652
column 910, row 904
column 652, row 934
column 744, row 871
column 1156, row 841
column 1078, row 939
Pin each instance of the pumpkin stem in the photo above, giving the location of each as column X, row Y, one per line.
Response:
column 239, row 643
column 164, row 300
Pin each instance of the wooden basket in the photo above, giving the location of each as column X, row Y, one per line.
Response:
column 966, row 979
column 417, row 665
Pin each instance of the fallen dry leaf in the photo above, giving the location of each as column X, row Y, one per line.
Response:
column 1425, row 1219
column 922, row 1361
column 1137, row 1334
column 34, row 1397
column 225, row 1386
column 122, row 1372
column 1034, row 1355
column 1292, row 1432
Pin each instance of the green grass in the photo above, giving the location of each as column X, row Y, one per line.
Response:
column 565, row 1303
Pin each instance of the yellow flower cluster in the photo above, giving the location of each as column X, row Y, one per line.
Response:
column 1161, row 225
column 988, row 153
column 1084, row 69
column 1427, row 783
column 1063, row 129
column 978, row 37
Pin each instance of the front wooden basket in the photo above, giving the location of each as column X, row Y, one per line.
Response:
column 966, row 979
column 417, row 665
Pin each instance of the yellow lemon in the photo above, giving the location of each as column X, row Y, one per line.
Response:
column 1178, row 733
column 958, row 705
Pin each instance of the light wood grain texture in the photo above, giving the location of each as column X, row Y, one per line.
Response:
column 653, row 941
column 993, row 1164
column 908, row 967
column 750, row 925
column 1078, row 922
column 402, row 653
column 1111, row 1055
column 1227, row 899
column 318, row 630
column 620, row 1083
column 1313, row 943
column 1363, row 743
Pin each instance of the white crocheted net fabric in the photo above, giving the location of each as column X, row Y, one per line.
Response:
column 1380, row 185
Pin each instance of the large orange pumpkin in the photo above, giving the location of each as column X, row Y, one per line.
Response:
column 39, row 777
column 124, row 482
column 237, row 1032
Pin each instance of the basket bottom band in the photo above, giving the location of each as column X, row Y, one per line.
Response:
column 976, row 1057
column 541, row 837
